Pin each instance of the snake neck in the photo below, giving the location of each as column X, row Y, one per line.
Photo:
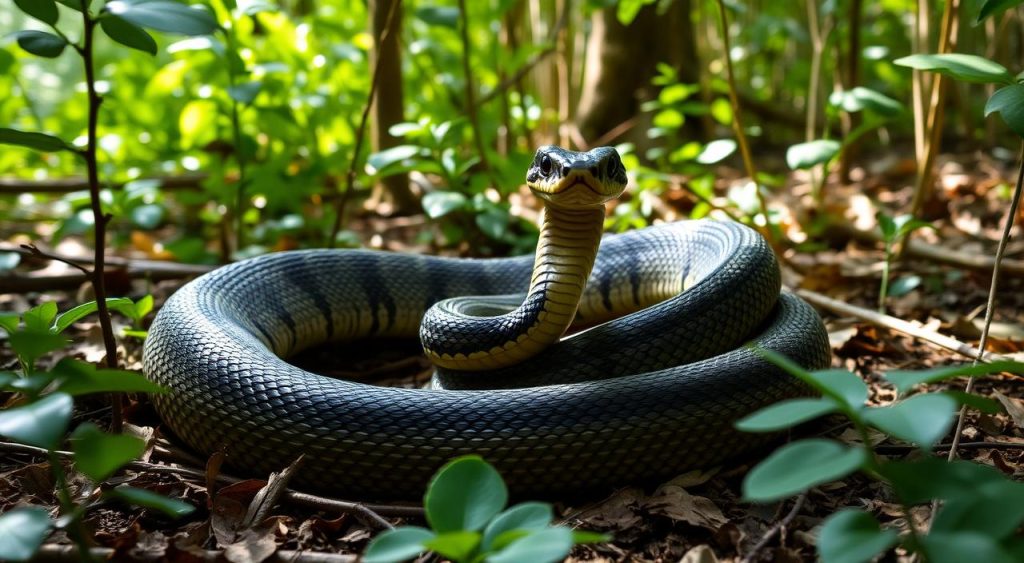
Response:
column 455, row 338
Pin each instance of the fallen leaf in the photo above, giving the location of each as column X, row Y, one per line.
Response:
column 1014, row 407
column 253, row 545
column 677, row 504
column 699, row 554
column 617, row 512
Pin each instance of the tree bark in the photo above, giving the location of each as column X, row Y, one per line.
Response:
column 388, row 103
column 622, row 59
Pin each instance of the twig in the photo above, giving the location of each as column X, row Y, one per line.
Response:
column 899, row 325
column 33, row 250
column 68, row 185
column 59, row 553
column 350, row 176
column 990, row 304
column 737, row 124
column 372, row 512
column 776, row 529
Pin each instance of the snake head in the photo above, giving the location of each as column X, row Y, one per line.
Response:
column 576, row 179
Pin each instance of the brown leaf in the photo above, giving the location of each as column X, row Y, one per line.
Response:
column 617, row 512
column 699, row 554
column 253, row 545
column 677, row 504
column 1014, row 407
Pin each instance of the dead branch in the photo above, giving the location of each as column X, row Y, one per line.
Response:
column 67, row 185
column 776, row 529
column 59, row 553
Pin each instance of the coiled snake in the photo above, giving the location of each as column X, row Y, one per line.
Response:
column 646, row 395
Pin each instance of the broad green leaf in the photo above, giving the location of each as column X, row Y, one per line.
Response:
column 22, row 531
column 904, row 381
column 128, row 34
column 446, row 16
column 996, row 508
column 40, row 317
column 904, row 285
column 164, row 15
column 993, row 7
column 9, row 322
column 457, row 545
column 853, row 536
column 246, row 92
column 440, row 203
column 379, row 161
column 142, row 308
column 542, row 546
column 148, row 216
column 399, row 544
column 716, row 151
column 42, row 10
column 493, row 223
column 79, row 312
column 976, row 402
column 41, row 43
column 148, row 499
column 841, row 384
column 80, row 378
column 1009, row 103
column 811, row 153
column 38, row 141
column 906, row 224
column 799, row 466
column 959, row 547
column 524, row 516
column 887, row 226
column 98, row 454
column 31, row 385
column 30, row 345
column 945, row 480
column 970, row 68
column 786, row 414
column 628, row 9
column 860, row 98
column 921, row 419
column 41, row 423
column 464, row 495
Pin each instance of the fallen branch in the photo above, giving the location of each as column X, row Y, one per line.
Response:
column 899, row 325
column 776, row 529
column 61, row 553
column 68, row 185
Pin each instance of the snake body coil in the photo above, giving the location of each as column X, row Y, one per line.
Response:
column 644, row 396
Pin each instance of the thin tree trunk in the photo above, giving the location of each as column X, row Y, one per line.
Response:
column 852, row 80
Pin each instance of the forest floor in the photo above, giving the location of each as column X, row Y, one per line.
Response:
column 698, row 517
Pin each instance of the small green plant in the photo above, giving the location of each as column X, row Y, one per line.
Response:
column 42, row 417
column 895, row 229
column 465, row 506
column 981, row 509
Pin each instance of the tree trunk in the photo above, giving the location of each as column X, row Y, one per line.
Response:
column 621, row 60
column 388, row 102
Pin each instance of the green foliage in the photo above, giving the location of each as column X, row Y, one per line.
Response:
column 994, row 7
column 1008, row 102
column 969, row 68
column 981, row 509
column 802, row 156
column 464, row 503
column 893, row 230
column 22, row 531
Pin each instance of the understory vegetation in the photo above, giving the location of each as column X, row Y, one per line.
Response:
column 877, row 146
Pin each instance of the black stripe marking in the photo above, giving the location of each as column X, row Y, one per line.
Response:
column 301, row 276
column 377, row 294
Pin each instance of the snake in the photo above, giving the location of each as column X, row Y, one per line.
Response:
column 599, row 361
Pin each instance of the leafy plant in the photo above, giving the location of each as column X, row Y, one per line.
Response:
column 894, row 229
column 41, row 419
column 981, row 508
column 465, row 506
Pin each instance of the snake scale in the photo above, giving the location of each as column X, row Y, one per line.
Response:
column 651, row 389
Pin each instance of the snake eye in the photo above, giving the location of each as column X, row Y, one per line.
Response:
column 545, row 165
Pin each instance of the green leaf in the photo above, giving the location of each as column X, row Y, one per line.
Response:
column 41, row 423
column 995, row 508
column 887, row 226
column 464, row 495
column 841, row 384
column 148, row 216
column 799, row 466
column 580, row 537
column 978, row 403
column 38, row 141
column 440, row 203
column 716, row 151
column 993, row 7
column 30, row 345
column 142, row 308
column 959, row 547
column 628, row 9
column 1009, row 103
column 786, row 414
column 40, row 317
column 524, row 516
column 860, row 99
column 164, row 15
column 445, row 16
column 906, row 224
column 458, row 545
column 811, row 153
column 904, row 381
column 80, row 378
column 932, row 478
column 98, row 454
column 853, row 536
column 378, row 161
column 42, row 10
column 493, row 223
column 22, row 531
column 970, row 68
column 246, row 92
column 148, row 499
column 78, row 312
column 543, row 546
column 397, row 545
column 41, row 43
column 9, row 322
column 128, row 34
column 921, row 419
